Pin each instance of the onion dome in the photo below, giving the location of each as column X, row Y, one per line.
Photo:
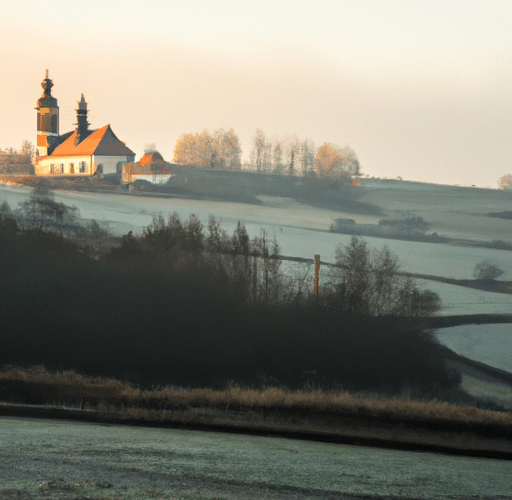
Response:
column 46, row 100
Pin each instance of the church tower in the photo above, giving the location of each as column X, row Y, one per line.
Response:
column 82, row 130
column 47, row 119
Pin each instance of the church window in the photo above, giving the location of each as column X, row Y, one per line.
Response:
column 71, row 168
column 61, row 168
column 52, row 168
column 82, row 167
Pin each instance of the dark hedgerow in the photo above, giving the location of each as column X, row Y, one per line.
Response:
column 155, row 311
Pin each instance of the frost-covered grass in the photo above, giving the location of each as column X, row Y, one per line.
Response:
column 489, row 344
column 459, row 300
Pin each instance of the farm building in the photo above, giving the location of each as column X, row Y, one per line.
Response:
column 151, row 167
column 79, row 152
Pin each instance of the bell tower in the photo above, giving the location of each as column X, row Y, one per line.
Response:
column 47, row 119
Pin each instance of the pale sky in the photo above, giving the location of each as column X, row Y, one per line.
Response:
column 419, row 89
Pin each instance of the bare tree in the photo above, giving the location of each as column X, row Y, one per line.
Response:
column 369, row 282
column 220, row 150
column 333, row 161
column 277, row 155
column 306, row 157
column 18, row 162
column 505, row 182
column 228, row 149
column 291, row 155
column 261, row 152
column 42, row 209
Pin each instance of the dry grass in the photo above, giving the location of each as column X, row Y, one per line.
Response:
column 39, row 386
column 375, row 419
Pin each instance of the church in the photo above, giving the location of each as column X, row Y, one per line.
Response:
column 81, row 152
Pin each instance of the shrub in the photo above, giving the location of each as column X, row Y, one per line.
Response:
column 368, row 282
column 487, row 271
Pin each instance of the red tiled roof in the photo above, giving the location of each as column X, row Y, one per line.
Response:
column 99, row 142
column 149, row 158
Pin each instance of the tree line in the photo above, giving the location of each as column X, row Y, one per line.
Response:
column 277, row 155
column 14, row 161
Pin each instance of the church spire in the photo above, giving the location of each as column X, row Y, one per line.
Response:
column 81, row 121
column 47, row 85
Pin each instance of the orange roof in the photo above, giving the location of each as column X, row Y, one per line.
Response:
column 149, row 158
column 99, row 142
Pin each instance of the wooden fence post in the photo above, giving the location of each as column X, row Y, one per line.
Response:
column 317, row 272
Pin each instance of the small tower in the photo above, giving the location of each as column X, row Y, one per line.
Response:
column 47, row 119
column 82, row 130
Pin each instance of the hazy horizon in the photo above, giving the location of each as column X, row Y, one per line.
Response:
column 418, row 90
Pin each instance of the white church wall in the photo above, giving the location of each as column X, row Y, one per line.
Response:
column 111, row 164
column 64, row 165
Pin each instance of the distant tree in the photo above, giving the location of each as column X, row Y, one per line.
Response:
column 194, row 149
column 186, row 150
column 18, row 162
column 229, row 151
column 291, row 155
column 412, row 225
column 369, row 283
column 287, row 155
column 28, row 150
column 5, row 208
column 260, row 152
column 505, row 182
column 220, row 150
column 487, row 271
column 306, row 157
column 42, row 210
column 277, row 155
column 333, row 161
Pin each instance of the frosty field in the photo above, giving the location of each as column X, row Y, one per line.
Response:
column 489, row 344
column 71, row 460
column 302, row 230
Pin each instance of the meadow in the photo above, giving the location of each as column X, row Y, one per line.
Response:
column 98, row 308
